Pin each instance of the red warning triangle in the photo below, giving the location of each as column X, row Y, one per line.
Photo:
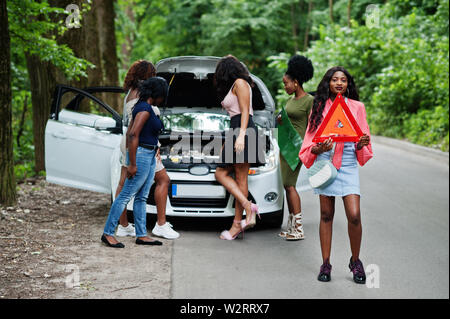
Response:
column 339, row 124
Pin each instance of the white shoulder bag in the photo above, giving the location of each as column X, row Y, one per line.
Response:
column 322, row 173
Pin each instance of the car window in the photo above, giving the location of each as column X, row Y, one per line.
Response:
column 76, row 102
column 186, row 122
column 80, row 107
column 85, row 107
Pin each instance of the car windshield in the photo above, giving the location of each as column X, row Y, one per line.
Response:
column 188, row 122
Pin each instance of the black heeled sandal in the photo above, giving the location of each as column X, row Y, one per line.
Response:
column 144, row 242
column 118, row 245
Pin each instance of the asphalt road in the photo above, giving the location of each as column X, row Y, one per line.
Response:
column 405, row 245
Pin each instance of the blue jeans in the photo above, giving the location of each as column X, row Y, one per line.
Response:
column 139, row 187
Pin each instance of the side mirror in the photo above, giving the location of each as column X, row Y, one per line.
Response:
column 105, row 124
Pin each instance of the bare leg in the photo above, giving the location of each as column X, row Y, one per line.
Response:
column 295, row 232
column 326, row 225
column 123, row 220
column 352, row 210
column 241, row 172
column 293, row 200
column 162, row 188
column 223, row 177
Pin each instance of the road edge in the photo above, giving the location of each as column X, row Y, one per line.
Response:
column 413, row 148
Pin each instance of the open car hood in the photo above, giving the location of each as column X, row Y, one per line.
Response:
column 191, row 79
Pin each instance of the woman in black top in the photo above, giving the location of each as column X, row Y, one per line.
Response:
column 142, row 147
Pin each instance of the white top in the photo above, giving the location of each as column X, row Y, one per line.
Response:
column 127, row 115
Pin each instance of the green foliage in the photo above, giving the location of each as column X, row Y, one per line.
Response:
column 429, row 127
column 250, row 30
column 23, row 147
column 400, row 68
column 33, row 29
column 278, row 64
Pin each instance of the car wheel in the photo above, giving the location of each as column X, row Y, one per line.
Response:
column 151, row 219
column 273, row 220
column 130, row 216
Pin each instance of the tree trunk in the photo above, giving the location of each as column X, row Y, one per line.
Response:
column 108, row 50
column 330, row 3
column 294, row 28
column 128, row 43
column 22, row 121
column 92, row 51
column 349, row 13
column 43, row 79
column 7, row 178
column 42, row 83
column 108, row 43
column 308, row 25
column 74, row 38
column 85, row 43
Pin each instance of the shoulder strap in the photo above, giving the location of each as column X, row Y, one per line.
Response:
column 126, row 120
column 332, row 151
column 126, row 96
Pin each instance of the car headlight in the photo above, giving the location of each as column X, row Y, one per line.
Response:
column 271, row 164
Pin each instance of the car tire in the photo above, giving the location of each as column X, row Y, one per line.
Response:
column 130, row 216
column 151, row 218
column 272, row 220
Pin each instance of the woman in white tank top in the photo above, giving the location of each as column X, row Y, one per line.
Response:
column 140, row 71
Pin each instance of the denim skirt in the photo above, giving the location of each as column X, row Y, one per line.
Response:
column 347, row 179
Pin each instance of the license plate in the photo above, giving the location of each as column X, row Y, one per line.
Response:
column 197, row 191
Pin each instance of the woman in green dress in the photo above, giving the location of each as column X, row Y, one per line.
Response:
column 298, row 108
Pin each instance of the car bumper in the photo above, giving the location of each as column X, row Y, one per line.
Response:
column 258, row 185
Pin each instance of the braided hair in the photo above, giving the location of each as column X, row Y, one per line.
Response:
column 323, row 94
column 154, row 88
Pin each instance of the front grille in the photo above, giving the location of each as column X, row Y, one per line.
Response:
column 191, row 202
column 200, row 202
column 197, row 211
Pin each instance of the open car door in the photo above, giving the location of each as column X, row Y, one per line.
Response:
column 79, row 145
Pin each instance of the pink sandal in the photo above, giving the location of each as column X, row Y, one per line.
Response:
column 226, row 233
column 254, row 211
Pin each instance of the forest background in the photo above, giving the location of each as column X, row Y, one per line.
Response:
column 397, row 52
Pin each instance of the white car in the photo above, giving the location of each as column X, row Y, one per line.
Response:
column 82, row 149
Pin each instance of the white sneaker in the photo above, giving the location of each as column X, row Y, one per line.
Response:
column 126, row 231
column 165, row 231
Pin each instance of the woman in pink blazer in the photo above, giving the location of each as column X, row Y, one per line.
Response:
column 346, row 157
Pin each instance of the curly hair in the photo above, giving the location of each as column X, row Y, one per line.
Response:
column 228, row 70
column 139, row 71
column 153, row 87
column 300, row 68
column 323, row 94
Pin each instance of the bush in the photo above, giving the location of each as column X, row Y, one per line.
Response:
column 400, row 68
column 23, row 148
column 429, row 127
